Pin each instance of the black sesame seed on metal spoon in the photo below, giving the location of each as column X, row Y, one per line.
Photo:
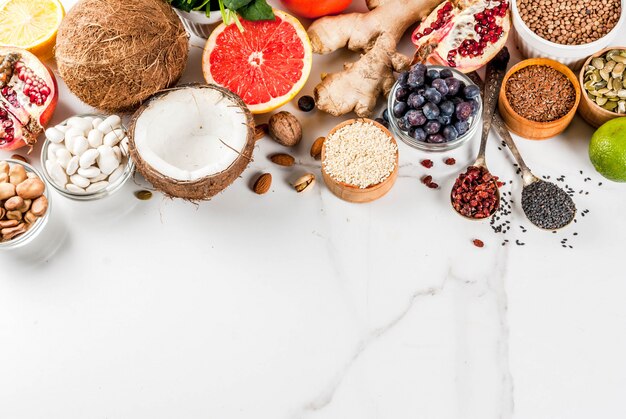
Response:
column 547, row 206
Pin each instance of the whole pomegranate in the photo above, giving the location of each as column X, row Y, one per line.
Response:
column 28, row 97
column 465, row 34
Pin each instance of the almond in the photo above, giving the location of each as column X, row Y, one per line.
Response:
column 316, row 148
column 263, row 183
column 260, row 131
column 282, row 159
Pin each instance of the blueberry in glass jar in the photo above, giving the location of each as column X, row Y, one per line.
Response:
column 431, row 111
column 399, row 109
column 432, row 127
column 432, row 105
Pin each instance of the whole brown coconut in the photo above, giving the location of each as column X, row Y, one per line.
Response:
column 114, row 54
column 207, row 186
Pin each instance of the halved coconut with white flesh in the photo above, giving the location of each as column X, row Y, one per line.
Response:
column 192, row 141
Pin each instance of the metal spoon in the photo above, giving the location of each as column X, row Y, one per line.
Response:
column 548, row 212
column 528, row 178
column 496, row 69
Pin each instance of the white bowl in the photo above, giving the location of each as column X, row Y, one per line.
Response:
column 532, row 45
column 197, row 23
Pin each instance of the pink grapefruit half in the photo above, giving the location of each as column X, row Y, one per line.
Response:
column 266, row 65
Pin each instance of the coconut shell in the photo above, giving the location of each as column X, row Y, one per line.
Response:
column 209, row 186
column 114, row 54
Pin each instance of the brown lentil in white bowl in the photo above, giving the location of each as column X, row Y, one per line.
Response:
column 533, row 45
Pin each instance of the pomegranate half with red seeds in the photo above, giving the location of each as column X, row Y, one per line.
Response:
column 465, row 34
column 28, row 96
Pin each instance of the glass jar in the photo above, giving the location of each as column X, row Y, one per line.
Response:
column 38, row 226
column 87, row 196
column 475, row 121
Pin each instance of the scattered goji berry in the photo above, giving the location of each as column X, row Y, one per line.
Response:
column 478, row 243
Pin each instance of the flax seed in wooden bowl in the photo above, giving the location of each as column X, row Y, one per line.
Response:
column 359, row 165
column 594, row 114
column 531, row 86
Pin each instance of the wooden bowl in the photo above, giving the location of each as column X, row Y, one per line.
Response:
column 531, row 129
column 591, row 112
column 353, row 193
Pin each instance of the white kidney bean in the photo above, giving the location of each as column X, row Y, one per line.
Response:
column 82, row 124
column 63, row 157
column 58, row 174
column 72, row 165
column 80, row 181
column 117, row 173
column 69, row 143
column 113, row 137
column 74, row 189
column 98, row 178
column 124, row 146
column 94, row 138
column 62, row 128
column 52, row 149
column 80, row 146
column 118, row 153
column 96, row 122
column 90, row 172
column 109, row 124
column 94, row 187
column 73, row 132
column 106, row 160
column 88, row 158
column 54, row 135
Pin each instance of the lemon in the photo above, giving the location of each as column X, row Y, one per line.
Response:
column 31, row 24
column 607, row 150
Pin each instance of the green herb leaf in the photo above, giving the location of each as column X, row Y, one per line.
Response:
column 236, row 4
column 257, row 10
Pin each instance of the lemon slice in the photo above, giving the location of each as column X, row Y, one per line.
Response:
column 31, row 24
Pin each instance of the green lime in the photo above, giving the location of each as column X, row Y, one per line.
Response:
column 607, row 150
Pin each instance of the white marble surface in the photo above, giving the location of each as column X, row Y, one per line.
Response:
column 289, row 306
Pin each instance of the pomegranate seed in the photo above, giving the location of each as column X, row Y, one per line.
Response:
column 427, row 31
column 427, row 163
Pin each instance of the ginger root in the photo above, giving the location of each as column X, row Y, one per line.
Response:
column 376, row 34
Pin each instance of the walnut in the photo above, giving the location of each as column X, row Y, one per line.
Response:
column 285, row 129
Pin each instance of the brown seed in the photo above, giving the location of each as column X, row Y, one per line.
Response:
column 316, row 148
column 478, row 243
column 260, row 131
column 14, row 215
column 263, row 183
column 304, row 182
column 30, row 188
column 14, row 203
column 9, row 233
column 8, row 223
column 39, row 206
column 30, row 218
column 143, row 195
column 283, row 159
column 20, row 158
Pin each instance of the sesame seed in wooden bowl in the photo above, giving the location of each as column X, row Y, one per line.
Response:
column 359, row 160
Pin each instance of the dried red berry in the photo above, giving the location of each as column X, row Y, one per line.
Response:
column 427, row 163
column 427, row 179
column 450, row 161
column 478, row 243
column 432, row 185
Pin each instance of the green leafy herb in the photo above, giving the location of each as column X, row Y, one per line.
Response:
column 229, row 9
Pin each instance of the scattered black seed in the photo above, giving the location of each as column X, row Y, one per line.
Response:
column 547, row 206
column 306, row 103
column 599, row 183
column 575, row 234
